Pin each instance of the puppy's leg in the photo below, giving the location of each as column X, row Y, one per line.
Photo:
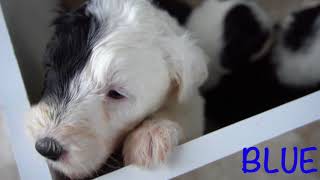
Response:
column 151, row 143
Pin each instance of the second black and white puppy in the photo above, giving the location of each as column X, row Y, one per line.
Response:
column 262, row 65
column 297, row 55
column 238, row 35
column 234, row 33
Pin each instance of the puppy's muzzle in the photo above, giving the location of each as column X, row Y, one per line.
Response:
column 49, row 148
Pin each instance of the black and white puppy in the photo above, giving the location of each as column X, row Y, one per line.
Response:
column 234, row 33
column 113, row 65
column 238, row 36
column 262, row 66
column 297, row 56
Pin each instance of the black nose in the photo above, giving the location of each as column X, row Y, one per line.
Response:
column 49, row 148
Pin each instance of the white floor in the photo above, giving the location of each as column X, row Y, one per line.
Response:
column 8, row 170
column 230, row 168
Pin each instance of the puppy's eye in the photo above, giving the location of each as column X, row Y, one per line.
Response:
column 115, row 94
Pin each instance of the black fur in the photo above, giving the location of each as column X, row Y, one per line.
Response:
column 255, row 87
column 68, row 51
column 243, row 37
column 247, row 92
column 301, row 29
column 176, row 8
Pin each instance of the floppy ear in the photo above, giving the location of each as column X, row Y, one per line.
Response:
column 187, row 65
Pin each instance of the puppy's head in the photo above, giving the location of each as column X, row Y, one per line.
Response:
column 110, row 64
column 234, row 33
column 297, row 52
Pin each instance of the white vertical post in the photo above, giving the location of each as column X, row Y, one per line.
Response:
column 13, row 105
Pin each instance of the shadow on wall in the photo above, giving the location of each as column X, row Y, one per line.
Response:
column 71, row 4
column 280, row 10
column 28, row 23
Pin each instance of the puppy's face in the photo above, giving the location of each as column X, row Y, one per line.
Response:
column 89, row 116
column 108, row 68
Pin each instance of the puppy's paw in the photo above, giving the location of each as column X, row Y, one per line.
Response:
column 151, row 143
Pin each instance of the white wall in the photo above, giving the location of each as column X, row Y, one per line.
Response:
column 28, row 22
column 8, row 169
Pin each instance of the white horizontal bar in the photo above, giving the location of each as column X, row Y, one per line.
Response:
column 229, row 140
column 13, row 105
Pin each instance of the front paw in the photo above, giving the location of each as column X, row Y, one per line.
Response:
column 151, row 143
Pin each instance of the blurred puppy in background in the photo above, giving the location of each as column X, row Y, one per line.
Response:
column 238, row 36
column 258, row 61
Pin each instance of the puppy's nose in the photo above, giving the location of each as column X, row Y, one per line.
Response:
column 49, row 148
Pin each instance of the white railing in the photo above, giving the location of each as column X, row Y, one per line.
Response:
column 14, row 105
column 229, row 140
column 185, row 158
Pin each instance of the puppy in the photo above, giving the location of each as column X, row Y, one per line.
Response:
column 238, row 36
column 297, row 55
column 113, row 65
column 234, row 33
column 263, row 65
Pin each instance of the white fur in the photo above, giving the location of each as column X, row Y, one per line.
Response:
column 151, row 142
column 144, row 55
column 206, row 25
column 301, row 68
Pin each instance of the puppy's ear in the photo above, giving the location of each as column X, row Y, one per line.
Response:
column 187, row 65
